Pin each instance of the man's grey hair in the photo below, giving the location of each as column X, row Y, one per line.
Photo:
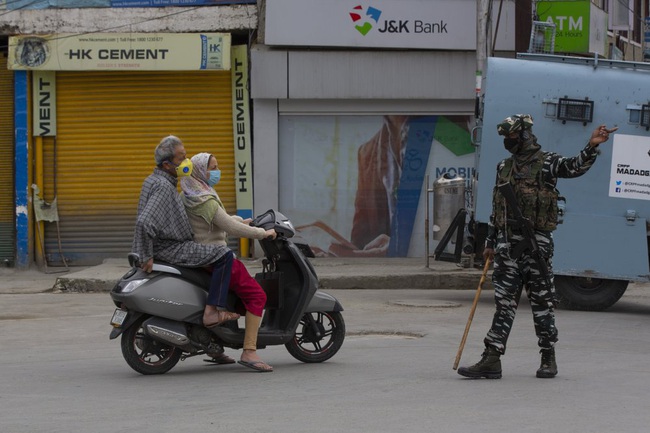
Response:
column 166, row 149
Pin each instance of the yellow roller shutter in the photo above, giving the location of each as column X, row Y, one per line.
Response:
column 108, row 126
column 7, row 202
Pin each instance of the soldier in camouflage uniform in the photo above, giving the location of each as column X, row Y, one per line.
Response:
column 533, row 175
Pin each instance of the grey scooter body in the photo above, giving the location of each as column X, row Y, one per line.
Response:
column 171, row 299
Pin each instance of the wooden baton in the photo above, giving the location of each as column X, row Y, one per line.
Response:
column 471, row 313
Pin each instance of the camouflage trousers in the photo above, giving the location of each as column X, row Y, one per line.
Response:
column 511, row 275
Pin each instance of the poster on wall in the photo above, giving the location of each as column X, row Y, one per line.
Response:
column 355, row 186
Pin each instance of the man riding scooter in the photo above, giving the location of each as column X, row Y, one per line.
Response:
column 163, row 231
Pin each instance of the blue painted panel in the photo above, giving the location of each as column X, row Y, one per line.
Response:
column 22, row 169
column 601, row 246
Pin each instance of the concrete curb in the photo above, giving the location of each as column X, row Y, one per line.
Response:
column 333, row 274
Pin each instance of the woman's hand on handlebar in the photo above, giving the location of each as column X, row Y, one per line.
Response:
column 270, row 234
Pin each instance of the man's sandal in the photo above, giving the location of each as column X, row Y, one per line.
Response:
column 227, row 316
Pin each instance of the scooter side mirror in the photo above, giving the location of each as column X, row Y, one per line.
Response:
column 134, row 260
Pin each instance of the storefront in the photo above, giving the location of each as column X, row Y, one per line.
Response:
column 96, row 124
column 359, row 123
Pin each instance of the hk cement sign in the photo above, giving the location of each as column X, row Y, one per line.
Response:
column 120, row 51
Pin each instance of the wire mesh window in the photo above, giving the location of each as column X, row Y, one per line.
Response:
column 575, row 109
column 645, row 115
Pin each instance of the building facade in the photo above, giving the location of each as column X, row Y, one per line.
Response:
column 352, row 107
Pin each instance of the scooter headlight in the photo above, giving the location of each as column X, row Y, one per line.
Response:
column 132, row 285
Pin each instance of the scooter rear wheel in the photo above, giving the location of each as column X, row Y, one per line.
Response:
column 146, row 355
column 318, row 337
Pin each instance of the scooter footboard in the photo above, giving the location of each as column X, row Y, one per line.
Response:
column 323, row 302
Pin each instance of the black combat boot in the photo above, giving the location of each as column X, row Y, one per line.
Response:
column 548, row 368
column 488, row 367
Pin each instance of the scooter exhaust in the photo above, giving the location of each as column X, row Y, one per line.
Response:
column 167, row 331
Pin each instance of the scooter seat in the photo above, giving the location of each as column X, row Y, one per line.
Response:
column 198, row 276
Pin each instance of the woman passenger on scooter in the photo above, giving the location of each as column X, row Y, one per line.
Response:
column 211, row 225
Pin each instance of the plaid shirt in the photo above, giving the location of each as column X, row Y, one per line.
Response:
column 162, row 229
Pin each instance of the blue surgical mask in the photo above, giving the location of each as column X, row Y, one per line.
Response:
column 215, row 176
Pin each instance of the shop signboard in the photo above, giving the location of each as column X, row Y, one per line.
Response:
column 242, row 132
column 120, row 51
column 420, row 24
column 44, row 106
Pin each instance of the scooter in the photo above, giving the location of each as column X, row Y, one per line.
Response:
column 159, row 314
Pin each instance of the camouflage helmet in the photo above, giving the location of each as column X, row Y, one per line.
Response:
column 515, row 123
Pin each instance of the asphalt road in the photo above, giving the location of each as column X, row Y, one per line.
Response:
column 60, row 373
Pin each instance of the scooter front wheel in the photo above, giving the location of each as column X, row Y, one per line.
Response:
column 146, row 355
column 318, row 337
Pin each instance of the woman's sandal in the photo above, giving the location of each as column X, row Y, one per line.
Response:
column 226, row 316
column 260, row 366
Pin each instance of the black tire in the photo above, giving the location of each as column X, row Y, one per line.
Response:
column 588, row 294
column 146, row 355
column 306, row 346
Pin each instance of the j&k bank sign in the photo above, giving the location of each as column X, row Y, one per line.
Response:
column 425, row 24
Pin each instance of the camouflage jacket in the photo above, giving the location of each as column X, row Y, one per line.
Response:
column 554, row 167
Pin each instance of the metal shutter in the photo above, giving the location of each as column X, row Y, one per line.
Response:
column 7, row 201
column 108, row 126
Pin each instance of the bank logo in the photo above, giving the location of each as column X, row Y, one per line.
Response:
column 363, row 20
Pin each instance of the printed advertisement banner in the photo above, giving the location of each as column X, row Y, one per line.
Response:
column 424, row 24
column 355, row 186
column 121, row 51
column 630, row 172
